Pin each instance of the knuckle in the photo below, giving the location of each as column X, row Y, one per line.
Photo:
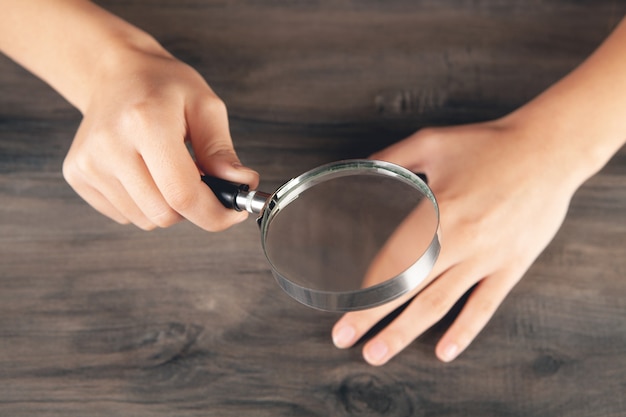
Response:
column 180, row 199
column 216, row 105
column 426, row 133
column 69, row 171
column 485, row 307
column 165, row 218
column 428, row 136
column 430, row 139
column 219, row 149
column 76, row 166
column 145, row 114
column 85, row 164
column 137, row 116
column 400, row 338
column 436, row 303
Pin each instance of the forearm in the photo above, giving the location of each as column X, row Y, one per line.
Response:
column 585, row 112
column 67, row 42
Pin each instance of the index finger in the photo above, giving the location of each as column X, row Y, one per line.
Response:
column 178, row 179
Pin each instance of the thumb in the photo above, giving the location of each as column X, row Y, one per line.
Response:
column 212, row 145
column 223, row 163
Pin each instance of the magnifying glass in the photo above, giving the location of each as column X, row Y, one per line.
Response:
column 326, row 233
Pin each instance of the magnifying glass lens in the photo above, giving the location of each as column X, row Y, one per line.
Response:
column 332, row 237
column 347, row 235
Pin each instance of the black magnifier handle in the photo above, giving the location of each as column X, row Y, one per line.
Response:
column 236, row 196
column 225, row 191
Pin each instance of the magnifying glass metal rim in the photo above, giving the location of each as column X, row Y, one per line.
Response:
column 368, row 297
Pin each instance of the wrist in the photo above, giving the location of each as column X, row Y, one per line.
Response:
column 573, row 138
column 580, row 119
column 119, row 54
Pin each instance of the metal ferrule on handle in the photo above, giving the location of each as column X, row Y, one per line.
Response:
column 237, row 196
column 251, row 201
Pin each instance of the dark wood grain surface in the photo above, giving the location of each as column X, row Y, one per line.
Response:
column 98, row 319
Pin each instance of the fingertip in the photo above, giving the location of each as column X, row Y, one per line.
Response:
column 246, row 175
column 233, row 218
column 447, row 352
column 477, row 311
column 376, row 353
column 145, row 225
column 344, row 336
column 240, row 217
column 227, row 166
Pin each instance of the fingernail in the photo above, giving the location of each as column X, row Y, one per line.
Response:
column 376, row 352
column 239, row 167
column 343, row 337
column 450, row 352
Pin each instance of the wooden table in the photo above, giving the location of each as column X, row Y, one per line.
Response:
column 98, row 319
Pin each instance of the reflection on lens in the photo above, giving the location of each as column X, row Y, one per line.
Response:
column 331, row 236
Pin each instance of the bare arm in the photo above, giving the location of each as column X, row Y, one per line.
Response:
column 65, row 43
column 128, row 159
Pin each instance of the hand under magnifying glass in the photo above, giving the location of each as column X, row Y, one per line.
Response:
column 325, row 232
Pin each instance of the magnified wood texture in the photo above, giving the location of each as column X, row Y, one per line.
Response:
column 98, row 319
